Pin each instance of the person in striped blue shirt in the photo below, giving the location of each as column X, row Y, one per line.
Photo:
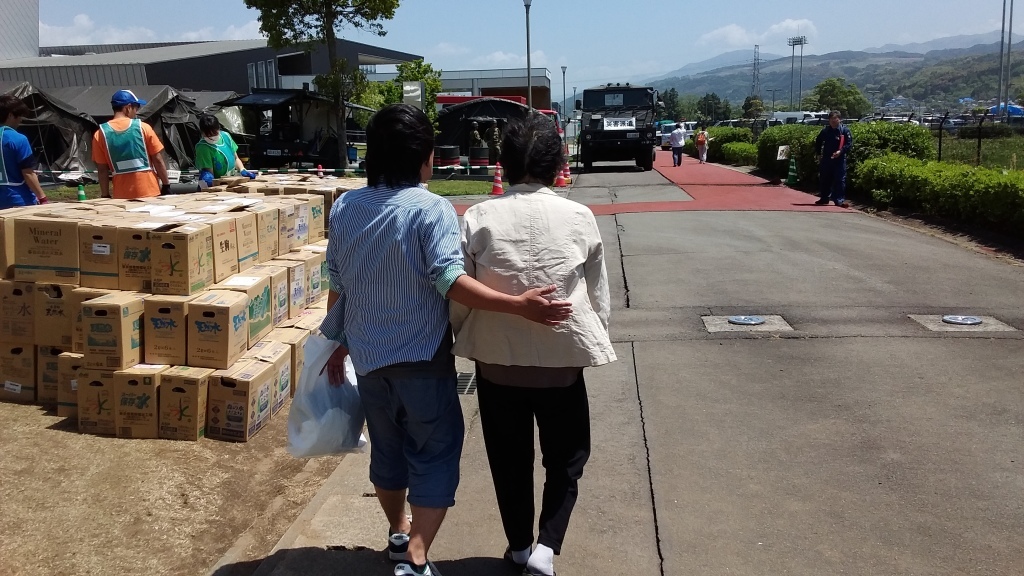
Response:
column 395, row 259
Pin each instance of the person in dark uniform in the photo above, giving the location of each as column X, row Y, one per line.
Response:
column 832, row 146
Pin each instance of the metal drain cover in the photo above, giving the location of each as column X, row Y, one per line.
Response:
column 962, row 320
column 746, row 320
column 466, row 385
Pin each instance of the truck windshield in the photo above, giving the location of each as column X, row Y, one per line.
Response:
column 597, row 99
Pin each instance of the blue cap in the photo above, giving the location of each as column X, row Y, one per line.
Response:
column 126, row 97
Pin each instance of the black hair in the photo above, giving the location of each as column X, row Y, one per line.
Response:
column 9, row 104
column 531, row 147
column 120, row 107
column 399, row 140
column 208, row 124
column 679, row 124
column 834, row 114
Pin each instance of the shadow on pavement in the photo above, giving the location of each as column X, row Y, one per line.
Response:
column 355, row 562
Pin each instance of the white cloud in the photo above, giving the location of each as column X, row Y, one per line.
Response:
column 502, row 59
column 447, row 49
column 736, row 36
column 84, row 31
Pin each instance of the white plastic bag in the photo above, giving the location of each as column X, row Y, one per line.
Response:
column 324, row 420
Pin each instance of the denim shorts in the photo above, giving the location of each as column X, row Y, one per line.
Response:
column 416, row 433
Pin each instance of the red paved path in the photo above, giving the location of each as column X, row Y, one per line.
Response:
column 713, row 188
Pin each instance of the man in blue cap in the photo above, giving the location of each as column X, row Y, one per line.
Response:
column 19, row 185
column 131, row 150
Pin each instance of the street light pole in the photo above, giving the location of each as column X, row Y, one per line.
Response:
column 773, row 91
column 529, row 69
column 563, row 94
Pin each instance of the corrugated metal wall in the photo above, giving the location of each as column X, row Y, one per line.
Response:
column 64, row 76
column 19, row 29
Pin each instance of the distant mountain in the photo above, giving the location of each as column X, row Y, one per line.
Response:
column 721, row 61
column 948, row 43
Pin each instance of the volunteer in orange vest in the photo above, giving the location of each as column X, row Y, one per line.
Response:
column 130, row 149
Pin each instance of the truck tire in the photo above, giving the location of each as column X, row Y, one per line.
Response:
column 588, row 164
column 648, row 162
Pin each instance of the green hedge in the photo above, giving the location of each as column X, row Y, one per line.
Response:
column 721, row 136
column 992, row 198
column 870, row 140
column 987, row 131
column 740, row 153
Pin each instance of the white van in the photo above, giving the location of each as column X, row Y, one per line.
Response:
column 795, row 117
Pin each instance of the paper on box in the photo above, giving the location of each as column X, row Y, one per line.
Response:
column 183, row 394
column 68, row 365
column 136, row 414
column 18, row 373
column 239, row 403
column 218, row 329
column 96, row 402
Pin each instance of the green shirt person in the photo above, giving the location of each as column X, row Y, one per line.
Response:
column 217, row 153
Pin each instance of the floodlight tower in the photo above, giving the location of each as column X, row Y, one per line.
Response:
column 795, row 41
column 755, row 86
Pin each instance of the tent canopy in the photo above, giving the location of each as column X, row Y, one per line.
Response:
column 60, row 134
column 1012, row 109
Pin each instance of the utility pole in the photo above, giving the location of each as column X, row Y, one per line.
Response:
column 564, row 116
column 773, row 91
column 529, row 69
column 1002, row 43
column 1009, row 73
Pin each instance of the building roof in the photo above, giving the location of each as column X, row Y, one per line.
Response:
column 84, row 49
column 142, row 56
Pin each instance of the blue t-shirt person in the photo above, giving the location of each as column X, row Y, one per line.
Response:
column 17, row 156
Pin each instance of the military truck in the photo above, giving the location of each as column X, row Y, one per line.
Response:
column 617, row 123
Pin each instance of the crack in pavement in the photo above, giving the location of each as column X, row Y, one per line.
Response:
column 647, row 454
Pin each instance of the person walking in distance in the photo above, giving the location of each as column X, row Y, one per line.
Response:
column 701, row 139
column 395, row 261
column 676, row 139
column 832, row 146
column 130, row 149
column 526, row 371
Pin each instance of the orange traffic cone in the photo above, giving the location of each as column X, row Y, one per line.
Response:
column 497, row 189
column 567, row 174
column 560, row 179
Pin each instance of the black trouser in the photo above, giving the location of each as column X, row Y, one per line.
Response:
column 563, row 418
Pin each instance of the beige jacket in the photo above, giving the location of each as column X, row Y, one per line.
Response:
column 530, row 238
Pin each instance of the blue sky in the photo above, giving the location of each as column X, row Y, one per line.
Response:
column 599, row 40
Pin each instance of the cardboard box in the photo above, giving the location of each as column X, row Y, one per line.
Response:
column 183, row 393
column 17, row 312
column 98, row 254
column 53, row 315
column 113, row 331
column 310, row 319
column 48, row 374
column 135, row 254
column 279, row 355
column 316, row 226
column 136, row 414
column 296, row 338
column 286, row 225
column 280, row 290
column 18, row 372
column 239, row 403
column 182, row 260
column 267, row 231
column 7, row 240
column 225, row 247
column 166, row 329
column 257, row 287
column 68, row 365
column 96, row 402
column 247, row 239
column 314, row 262
column 218, row 329
column 75, row 300
column 297, row 283
column 46, row 250
column 325, row 272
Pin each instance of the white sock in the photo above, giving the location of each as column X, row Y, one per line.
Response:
column 521, row 556
column 542, row 560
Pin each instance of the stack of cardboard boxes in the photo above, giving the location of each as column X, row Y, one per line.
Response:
column 175, row 317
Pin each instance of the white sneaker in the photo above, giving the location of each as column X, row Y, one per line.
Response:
column 408, row 570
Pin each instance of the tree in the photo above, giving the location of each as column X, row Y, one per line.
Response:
column 671, row 100
column 837, row 94
column 753, row 107
column 709, row 107
column 312, row 22
column 689, row 107
column 421, row 71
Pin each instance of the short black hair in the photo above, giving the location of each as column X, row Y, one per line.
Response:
column 835, row 114
column 9, row 104
column 120, row 107
column 208, row 124
column 531, row 147
column 679, row 124
column 399, row 140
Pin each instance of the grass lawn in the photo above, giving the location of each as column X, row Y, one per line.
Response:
column 999, row 153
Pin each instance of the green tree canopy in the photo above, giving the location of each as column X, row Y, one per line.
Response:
column 837, row 94
column 380, row 94
column 753, row 107
column 311, row 22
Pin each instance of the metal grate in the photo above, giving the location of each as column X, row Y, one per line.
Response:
column 466, row 385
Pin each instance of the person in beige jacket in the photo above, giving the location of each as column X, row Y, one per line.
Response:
column 526, row 238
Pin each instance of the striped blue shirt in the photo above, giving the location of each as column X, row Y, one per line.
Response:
column 393, row 255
